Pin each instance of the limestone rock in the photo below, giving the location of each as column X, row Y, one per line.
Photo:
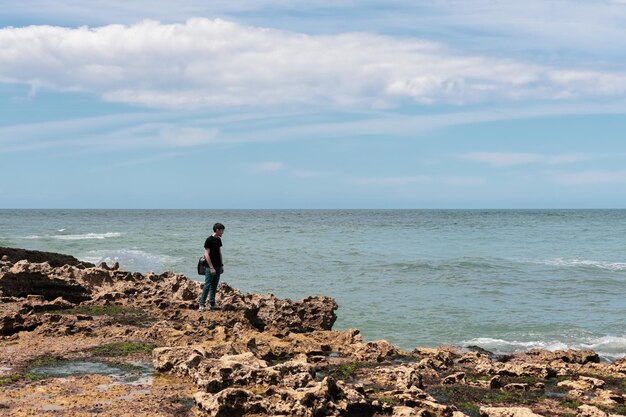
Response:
column 15, row 255
column 261, row 356
column 456, row 378
column 590, row 411
column 583, row 383
column 25, row 279
column 507, row 412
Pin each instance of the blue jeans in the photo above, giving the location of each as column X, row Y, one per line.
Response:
column 210, row 285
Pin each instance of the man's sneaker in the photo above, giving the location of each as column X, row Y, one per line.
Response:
column 201, row 308
column 215, row 308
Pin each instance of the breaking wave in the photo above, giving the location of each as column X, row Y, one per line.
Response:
column 84, row 236
column 132, row 260
column 607, row 347
column 611, row 266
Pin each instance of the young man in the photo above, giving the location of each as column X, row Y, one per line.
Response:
column 215, row 268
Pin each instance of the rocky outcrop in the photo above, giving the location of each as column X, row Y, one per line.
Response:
column 15, row 255
column 25, row 278
column 261, row 356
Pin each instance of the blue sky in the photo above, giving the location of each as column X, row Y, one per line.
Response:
column 316, row 104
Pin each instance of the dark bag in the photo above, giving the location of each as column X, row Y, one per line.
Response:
column 202, row 266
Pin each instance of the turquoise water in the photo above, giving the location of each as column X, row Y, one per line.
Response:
column 505, row 280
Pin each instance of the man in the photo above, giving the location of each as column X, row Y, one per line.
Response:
column 215, row 266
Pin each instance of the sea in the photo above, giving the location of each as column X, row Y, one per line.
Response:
column 503, row 280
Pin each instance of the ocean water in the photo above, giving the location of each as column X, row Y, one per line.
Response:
column 504, row 280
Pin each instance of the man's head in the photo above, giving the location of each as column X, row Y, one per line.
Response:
column 218, row 228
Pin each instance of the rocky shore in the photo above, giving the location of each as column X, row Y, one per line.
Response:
column 82, row 340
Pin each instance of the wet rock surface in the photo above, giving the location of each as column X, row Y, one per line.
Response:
column 256, row 356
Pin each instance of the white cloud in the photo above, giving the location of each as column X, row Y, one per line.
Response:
column 391, row 181
column 305, row 173
column 591, row 177
column 464, row 181
column 216, row 63
column 506, row 159
column 265, row 167
column 502, row 159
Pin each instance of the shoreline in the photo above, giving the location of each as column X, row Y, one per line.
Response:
column 256, row 356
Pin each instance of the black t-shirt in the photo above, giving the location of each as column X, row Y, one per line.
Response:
column 213, row 244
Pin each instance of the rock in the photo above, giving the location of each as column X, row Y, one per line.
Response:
column 590, row 411
column 496, row 382
column 507, row 412
column 261, row 356
column 605, row 398
column 375, row 351
column 398, row 378
column 15, row 255
column 403, row 411
column 227, row 403
column 24, row 279
column 456, row 378
column 516, row 387
column 583, row 383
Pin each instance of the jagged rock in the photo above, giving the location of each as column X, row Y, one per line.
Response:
column 507, row 412
column 269, row 313
column 25, row 279
column 456, row 378
column 566, row 356
column 15, row 255
column 260, row 356
column 590, row 411
column 227, row 403
column 398, row 378
column 516, row 387
column 496, row 382
column 403, row 411
column 606, row 398
column 15, row 323
column 583, row 383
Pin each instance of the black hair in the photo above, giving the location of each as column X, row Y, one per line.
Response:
column 218, row 226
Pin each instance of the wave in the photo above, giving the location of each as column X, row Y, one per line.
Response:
column 85, row 236
column 88, row 236
column 611, row 266
column 132, row 260
column 607, row 347
column 472, row 265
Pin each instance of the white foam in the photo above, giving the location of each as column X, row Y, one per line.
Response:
column 611, row 266
column 88, row 236
column 607, row 347
column 131, row 259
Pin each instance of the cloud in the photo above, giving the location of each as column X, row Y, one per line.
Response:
column 134, row 130
column 391, row 181
column 115, row 165
column 464, row 181
column 502, row 159
column 506, row 159
column 265, row 167
column 304, row 173
column 206, row 63
column 591, row 177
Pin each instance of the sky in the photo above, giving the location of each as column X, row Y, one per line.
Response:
column 388, row 104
